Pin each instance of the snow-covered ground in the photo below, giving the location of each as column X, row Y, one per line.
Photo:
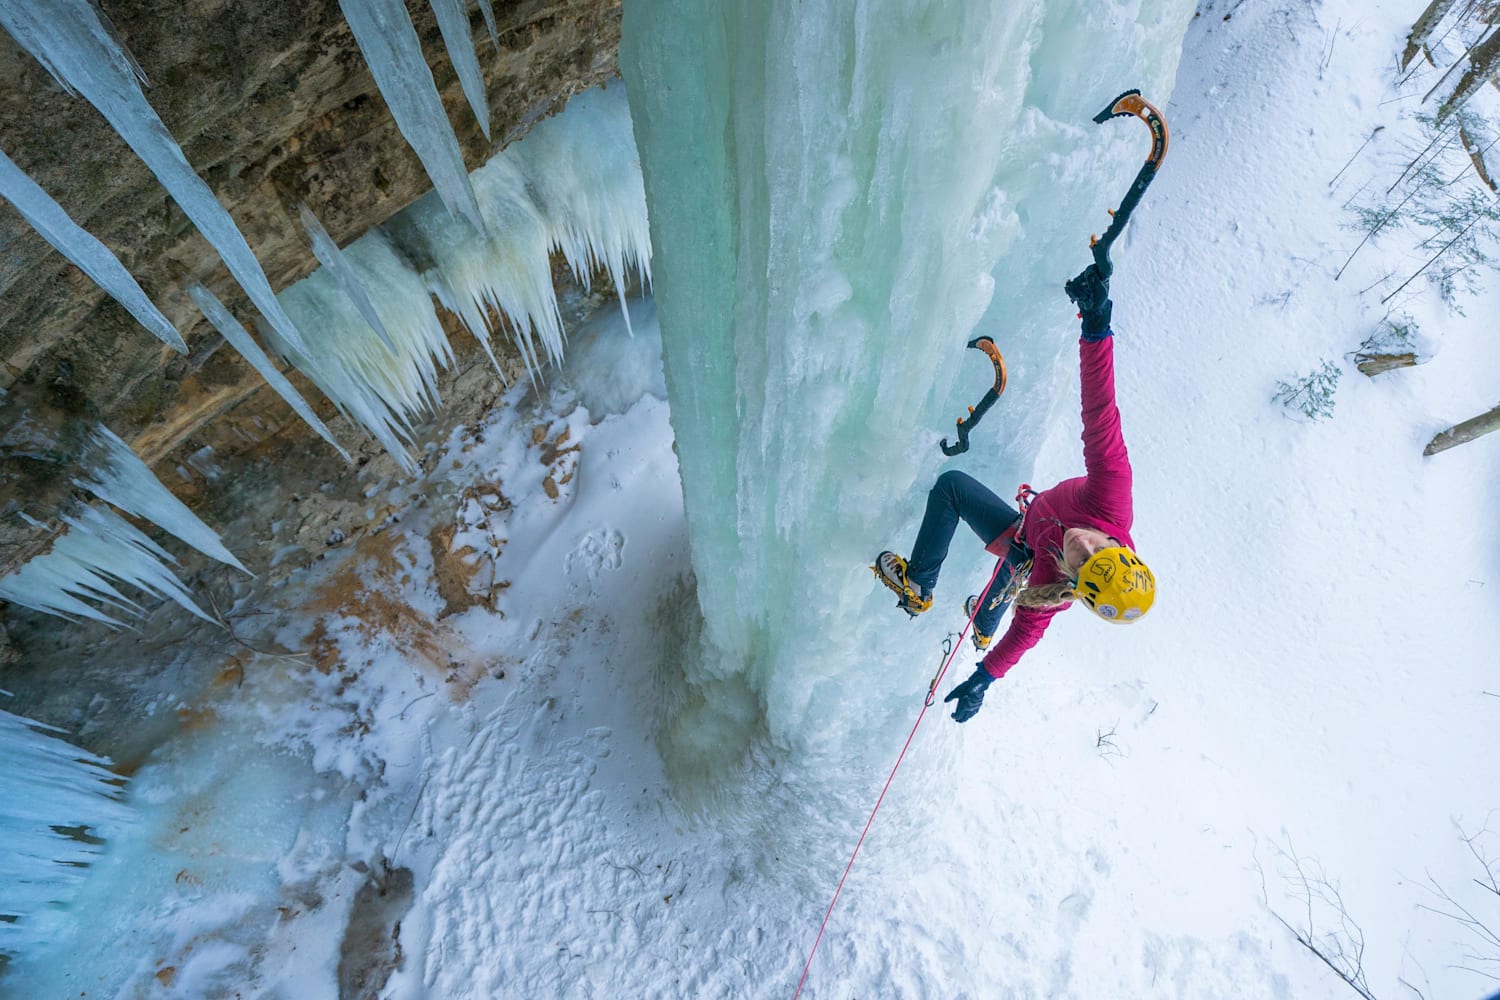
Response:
column 1308, row 711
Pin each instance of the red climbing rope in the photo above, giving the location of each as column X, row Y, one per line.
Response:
column 926, row 704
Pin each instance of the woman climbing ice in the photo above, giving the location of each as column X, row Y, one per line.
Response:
column 1072, row 542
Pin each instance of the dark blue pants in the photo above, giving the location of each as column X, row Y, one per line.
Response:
column 958, row 496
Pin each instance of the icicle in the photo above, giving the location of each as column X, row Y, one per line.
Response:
column 453, row 23
column 507, row 272
column 575, row 183
column 383, row 390
column 47, row 784
column 240, row 339
column 488, row 11
column 68, row 38
column 119, row 476
column 100, row 547
column 331, row 257
column 390, row 45
column 586, row 175
column 80, row 246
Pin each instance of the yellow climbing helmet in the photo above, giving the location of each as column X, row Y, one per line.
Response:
column 1116, row 585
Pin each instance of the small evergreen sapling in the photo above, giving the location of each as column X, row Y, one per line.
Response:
column 1392, row 345
column 1311, row 395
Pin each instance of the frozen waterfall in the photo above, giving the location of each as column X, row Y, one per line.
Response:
column 56, row 801
column 573, row 185
column 852, row 193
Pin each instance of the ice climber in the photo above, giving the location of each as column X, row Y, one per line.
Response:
column 1073, row 541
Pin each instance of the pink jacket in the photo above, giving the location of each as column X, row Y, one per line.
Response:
column 1099, row 499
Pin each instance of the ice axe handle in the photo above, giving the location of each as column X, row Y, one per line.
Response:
column 1130, row 104
column 977, row 411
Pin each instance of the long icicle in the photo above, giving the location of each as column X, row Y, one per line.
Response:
column 117, row 474
column 453, row 23
column 393, row 52
column 72, row 43
column 80, row 246
column 331, row 257
column 241, row 341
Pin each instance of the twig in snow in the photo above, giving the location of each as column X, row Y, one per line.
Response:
column 1374, row 230
column 1486, row 960
column 402, row 714
column 1361, row 149
column 623, row 868
column 1419, row 993
column 1105, row 743
column 224, row 621
column 1333, row 38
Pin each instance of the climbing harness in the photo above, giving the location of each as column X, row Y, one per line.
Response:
column 978, row 410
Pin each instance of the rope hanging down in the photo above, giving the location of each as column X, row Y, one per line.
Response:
column 926, row 704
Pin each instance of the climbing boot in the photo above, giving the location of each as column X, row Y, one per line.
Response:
column 890, row 569
column 981, row 641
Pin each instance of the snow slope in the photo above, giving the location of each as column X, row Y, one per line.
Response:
column 1121, row 818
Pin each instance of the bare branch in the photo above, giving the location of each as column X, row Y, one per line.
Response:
column 1342, row 949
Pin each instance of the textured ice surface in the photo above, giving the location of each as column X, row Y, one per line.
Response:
column 384, row 390
column 584, row 173
column 79, row 50
column 225, row 829
column 80, row 246
column 47, row 786
column 390, row 45
column 573, row 183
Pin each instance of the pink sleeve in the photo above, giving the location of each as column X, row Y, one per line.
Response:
column 1107, row 485
column 1026, row 627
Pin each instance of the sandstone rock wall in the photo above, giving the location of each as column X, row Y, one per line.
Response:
column 272, row 103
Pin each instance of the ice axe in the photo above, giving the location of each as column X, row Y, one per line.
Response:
column 1127, row 104
column 966, row 424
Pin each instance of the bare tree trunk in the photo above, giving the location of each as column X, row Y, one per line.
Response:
column 1465, row 432
column 1484, row 61
column 1477, row 155
column 1422, row 28
column 1375, row 364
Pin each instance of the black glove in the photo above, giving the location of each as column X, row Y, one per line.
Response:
column 1089, row 290
column 970, row 694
